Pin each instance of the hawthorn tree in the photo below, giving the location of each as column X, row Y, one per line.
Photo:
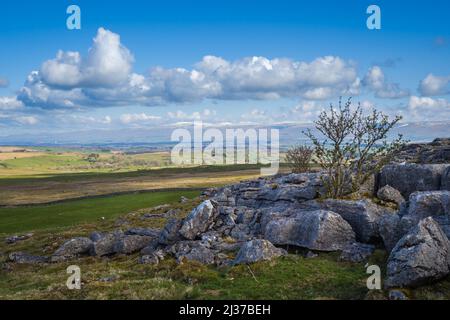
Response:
column 355, row 146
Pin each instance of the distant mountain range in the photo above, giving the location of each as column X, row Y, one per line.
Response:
column 159, row 138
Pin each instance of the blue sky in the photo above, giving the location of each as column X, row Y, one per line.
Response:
column 310, row 54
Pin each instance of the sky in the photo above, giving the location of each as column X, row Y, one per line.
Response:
column 151, row 64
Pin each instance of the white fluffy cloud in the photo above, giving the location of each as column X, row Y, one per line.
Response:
column 137, row 117
column 433, row 85
column 27, row 120
column 426, row 108
column 376, row 81
column 10, row 103
column 107, row 64
column 105, row 78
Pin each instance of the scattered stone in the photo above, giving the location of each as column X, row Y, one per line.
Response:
column 316, row 230
column 153, row 258
column 130, row 244
column 170, row 233
column 397, row 295
column 96, row 236
column 109, row 278
column 120, row 222
column 72, row 249
column 17, row 238
column 193, row 251
column 105, row 245
column 311, row 255
column 25, row 258
column 357, row 252
column 200, row 220
column 420, row 257
column 389, row 194
column 183, row 199
column 257, row 250
column 169, row 214
column 143, row 232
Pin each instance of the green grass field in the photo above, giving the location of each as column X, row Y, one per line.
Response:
column 22, row 219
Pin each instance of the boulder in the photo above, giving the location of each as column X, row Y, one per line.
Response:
column 357, row 252
column 431, row 203
column 25, row 258
column 390, row 230
column 154, row 258
column 411, row 177
column 199, row 220
column 445, row 180
column 316, row 230
column 96, row 236
column 225, row 198
column 131, row 244
column 105, row 244
column 257, row 250
column 72, row 249
column 389, row 194
column 193, row 251
column 362, row 215
column 170, row 233
column 397, row 295
column 420, row 257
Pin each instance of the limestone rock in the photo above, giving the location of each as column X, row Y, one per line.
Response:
column 420, row 257
column 72, row 249
column 257, row 250
column 316, row 230
column 199, row 220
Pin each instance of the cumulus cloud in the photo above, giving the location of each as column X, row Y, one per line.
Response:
column 107, row 64
column 10, row 103
column 104, row 78
column 426, row 108
column 137, row 117
column 375, row 80
column 433, row 85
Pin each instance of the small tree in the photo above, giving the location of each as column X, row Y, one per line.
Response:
column 298, row 158
column 355, row 146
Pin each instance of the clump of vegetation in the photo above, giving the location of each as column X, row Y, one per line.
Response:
column 299, row 158
column 93, row 157
column 355, row 146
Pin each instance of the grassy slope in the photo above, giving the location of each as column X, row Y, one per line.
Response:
column 291, row 277
column 22, row 219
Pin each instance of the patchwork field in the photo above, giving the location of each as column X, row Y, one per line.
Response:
column 56, row 175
